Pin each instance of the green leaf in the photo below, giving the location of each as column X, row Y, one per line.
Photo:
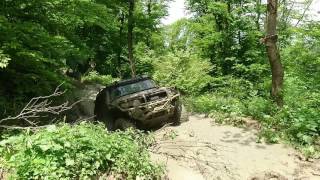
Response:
column 70, row 162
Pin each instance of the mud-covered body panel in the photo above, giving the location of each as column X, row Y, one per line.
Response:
column 146, row 109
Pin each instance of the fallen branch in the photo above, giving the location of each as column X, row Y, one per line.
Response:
column 39, row 107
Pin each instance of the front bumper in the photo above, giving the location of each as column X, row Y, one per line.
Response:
column 154, row 112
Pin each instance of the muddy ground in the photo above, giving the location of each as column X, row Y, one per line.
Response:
column 200, row 149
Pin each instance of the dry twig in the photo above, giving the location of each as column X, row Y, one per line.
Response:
column 39, row 107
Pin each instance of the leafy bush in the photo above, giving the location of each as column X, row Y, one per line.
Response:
column 183, row 70
column 33, row 82
column 82, row 151
column 213, row 102
column 95, row 77
column 258, row 107
column 235, row 87
column 144, row 59
column 4, row 59
column 298, row 121
column 300, row 124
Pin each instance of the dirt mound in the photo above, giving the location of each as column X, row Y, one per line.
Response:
column 200, row 149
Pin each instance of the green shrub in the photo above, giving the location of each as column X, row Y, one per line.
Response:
column 300, row 125
column 298, row 121
column 214, row 102
column 258, row 107
column 183, row 70
column 235, row 87
column 82, row 151
column 95, row 77
column 144, row 59
column 4, row 59
column 269, row 135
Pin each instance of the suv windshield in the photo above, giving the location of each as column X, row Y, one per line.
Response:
column 132, row 88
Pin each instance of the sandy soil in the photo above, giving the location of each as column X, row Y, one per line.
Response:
column 200, row 149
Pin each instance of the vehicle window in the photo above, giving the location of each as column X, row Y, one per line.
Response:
column 132, row 88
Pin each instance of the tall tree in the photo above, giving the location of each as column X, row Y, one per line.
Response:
column 130, row 38
column 273, row 52
column 258, row 12
column 119, row 51
column 149, row 4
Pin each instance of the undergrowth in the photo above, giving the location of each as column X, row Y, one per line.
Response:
column 297, row 122
column 95, row 77
column 83, row 151
column 231, row 99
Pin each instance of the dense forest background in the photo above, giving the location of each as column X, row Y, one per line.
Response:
column 216, row 58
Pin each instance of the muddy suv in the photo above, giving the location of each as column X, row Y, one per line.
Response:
column 139, row 103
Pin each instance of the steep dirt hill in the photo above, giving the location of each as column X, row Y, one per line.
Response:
column 200, row 149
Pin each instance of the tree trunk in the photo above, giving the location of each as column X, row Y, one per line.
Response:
column 273, row 53
column 148, row 29
column 120, row 44
column 130, row 39
column 258, row 8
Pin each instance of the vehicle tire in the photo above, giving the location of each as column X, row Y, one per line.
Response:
column 101, row 111
column 107, row 121
column 180, row 114
column 101, row 115
column 124, row 124
column 110, row 124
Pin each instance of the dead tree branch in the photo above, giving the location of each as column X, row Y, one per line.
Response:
column 40, row 107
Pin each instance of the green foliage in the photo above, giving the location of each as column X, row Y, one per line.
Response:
column 298, row 121
column 4, row 59
column 95, row 77
column 45, row 42
column 300, row 117
column 214, row 57
column 222, row 32
column 179, row 34
column 269, row 135
column 212, row 102
column 259, row 107
column 236, row 87
column 81, row 151
column 144, row 59
column 184, row 70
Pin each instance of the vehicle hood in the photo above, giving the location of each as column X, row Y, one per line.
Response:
column 141, row 93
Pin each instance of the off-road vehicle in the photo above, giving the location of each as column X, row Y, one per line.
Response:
column 138, row 103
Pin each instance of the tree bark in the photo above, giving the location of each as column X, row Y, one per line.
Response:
column 258, row 8
column 148, row 29
column 121, row 19
column 273, row 52
column 130, row 39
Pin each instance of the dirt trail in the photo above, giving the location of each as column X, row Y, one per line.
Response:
column 199, row 149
